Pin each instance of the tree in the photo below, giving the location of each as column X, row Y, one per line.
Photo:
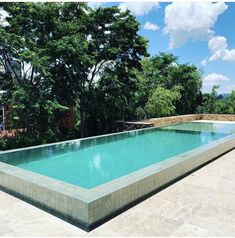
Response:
column 229, row 104
column 67, row 51
column 23, row 44
column 156, row 71
column 189, row 78
column 166, row 72
column 112, row 49
column 212, row 103
column 161, row 102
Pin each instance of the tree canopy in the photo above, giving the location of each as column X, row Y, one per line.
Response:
column 165, row 71
column 65, row 50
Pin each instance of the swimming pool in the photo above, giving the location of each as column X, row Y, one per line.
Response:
column 93, row 162
column 100, row 175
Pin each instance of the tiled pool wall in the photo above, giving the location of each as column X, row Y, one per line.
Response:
column 56, row 197
column 88, row 208
column 129, row 189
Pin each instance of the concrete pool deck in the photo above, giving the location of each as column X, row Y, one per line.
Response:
column 201, row 204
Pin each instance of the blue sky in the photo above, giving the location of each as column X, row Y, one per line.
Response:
column 201, row 33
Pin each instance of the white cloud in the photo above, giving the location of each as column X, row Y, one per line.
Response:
column 204, row 62
column 151, row 26
column 191, row 21
column 214, row 79
column 219, row 49
column 139, row 8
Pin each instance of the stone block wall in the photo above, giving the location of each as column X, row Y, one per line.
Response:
column 219, row 117
column 175, row 119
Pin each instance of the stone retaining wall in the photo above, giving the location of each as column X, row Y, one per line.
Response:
column 218, row 117
column 176, row 119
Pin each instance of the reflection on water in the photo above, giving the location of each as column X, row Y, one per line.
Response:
column 92, row 162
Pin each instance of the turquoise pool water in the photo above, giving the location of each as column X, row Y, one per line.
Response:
column 203, row 126
column 92, row 162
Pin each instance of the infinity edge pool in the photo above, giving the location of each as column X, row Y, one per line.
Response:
column 87, row 208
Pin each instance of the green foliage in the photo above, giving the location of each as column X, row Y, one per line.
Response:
column 21, row 139
column 68, row 54
column 189, row 78
column 33, row 109
column 211, row 103
column 29, row 88
column 161, row 102
column 166, row 72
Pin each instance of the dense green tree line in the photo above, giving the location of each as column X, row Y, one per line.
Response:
column 211, row 103
column 90, row 64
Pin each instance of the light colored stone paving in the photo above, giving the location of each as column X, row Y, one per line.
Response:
column 201, row 204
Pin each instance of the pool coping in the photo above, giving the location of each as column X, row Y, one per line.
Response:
column 88, row 207
column 214, row 121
